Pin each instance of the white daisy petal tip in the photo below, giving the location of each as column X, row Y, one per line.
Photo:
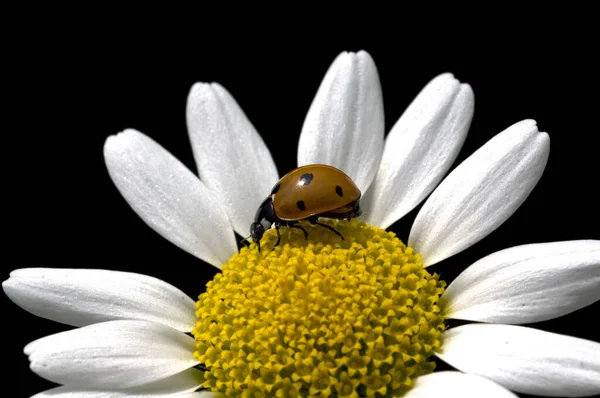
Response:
column 420, row 149
column 344, row 126
column 524, row 359
column 446, row 79
column 82, row 297
column 112, row 355
column 481, row 193
column 112, row 140
column 202, row 89
column 169, row 197
column 456, row 384
column 120, row 142
column 528, row 283
column 224, row 142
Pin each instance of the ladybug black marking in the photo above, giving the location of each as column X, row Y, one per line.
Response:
column 301, row 205
column 339, row 191
column 306, row 179
column 275, row 188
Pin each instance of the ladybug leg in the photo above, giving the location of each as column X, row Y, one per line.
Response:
column 293, row 224
column 278, row 236
column 314, row 221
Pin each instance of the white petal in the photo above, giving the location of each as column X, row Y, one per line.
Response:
column 529, row 283
column 169, row 197
column 63, row 392
column 115, row 354
column 525, row 360
column 82, row 297
column 419, row 150
column 232, row 158
column 180, row 385
column 344, row 126
column 481, row 193
column 456, row 384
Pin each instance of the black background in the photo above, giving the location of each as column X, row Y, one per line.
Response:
column 68, row 89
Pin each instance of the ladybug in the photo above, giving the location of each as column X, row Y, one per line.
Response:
column 307, row 193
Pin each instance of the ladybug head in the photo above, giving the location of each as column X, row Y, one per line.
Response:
column 257, row 231
column 264, row 218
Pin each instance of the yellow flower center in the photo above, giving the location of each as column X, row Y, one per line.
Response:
column 320, row 317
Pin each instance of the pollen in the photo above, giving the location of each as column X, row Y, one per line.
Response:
column 322, row 316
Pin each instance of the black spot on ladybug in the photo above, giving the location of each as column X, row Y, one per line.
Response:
column 301, row 205
column 306, row 178
column 275, row 188
column 339, row 191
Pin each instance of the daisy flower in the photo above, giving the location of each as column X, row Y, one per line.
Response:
column 324, row 316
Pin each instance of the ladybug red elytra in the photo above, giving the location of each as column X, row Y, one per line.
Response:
column 307, row 193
